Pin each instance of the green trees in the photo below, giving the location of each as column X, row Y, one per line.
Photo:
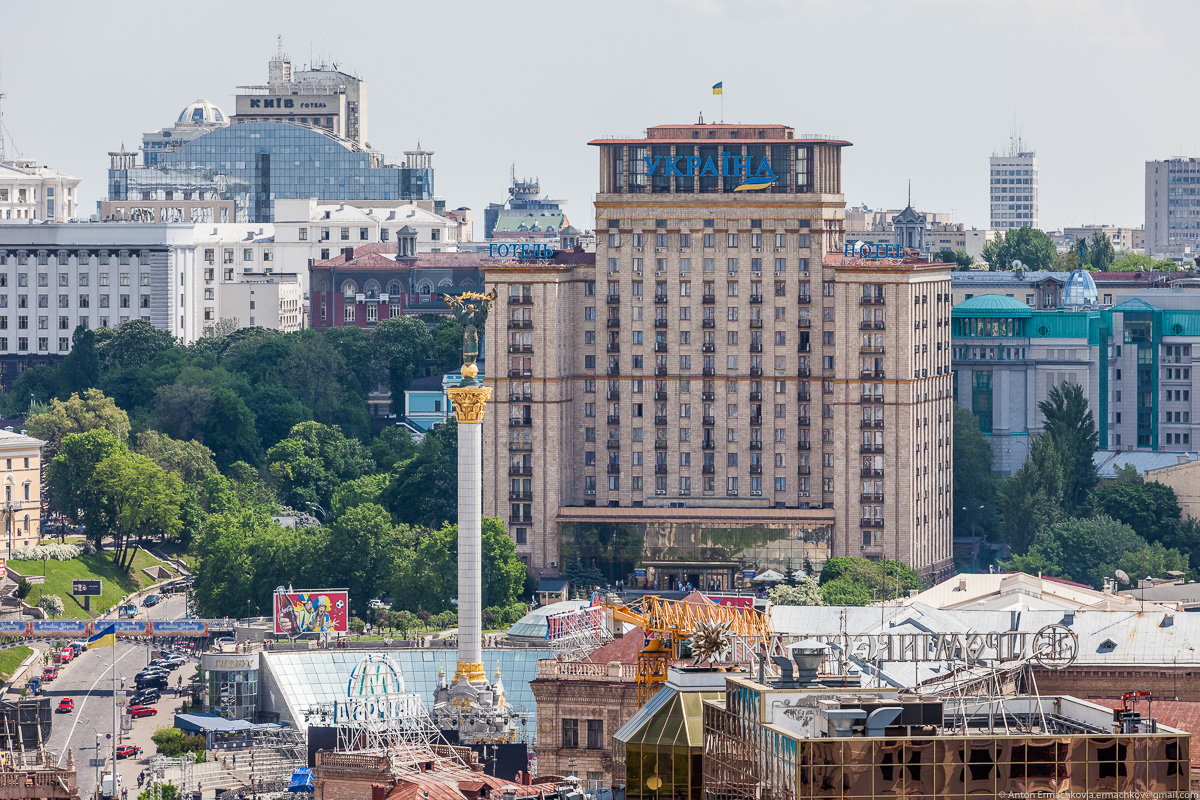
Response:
column 74, row 492
column 1088, row 550
column 1070, row 424
column 141, row 500
column 1100, row 252
column 79, row 413
column 80, row 370
column 859, row 581
column 1031, row 247
column 1150, row 508
column 424, row 489
column 1032, row 496
column 960, row 258
column 806, row 592
column 401, row 346
column 133, row 345
column 974, row 483
column 307, row 466
column 446, row 347
column 426, row 576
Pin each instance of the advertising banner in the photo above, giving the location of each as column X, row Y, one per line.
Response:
column 127, row 627
column 61, row 627
column 14, row 627
column 736, row 600
column 317, row 611
column 179, row 627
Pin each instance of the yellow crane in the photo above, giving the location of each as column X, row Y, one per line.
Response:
column 669, row 623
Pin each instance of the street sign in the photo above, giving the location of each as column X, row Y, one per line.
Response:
column 86, row 588
column 121, row 698
column 97, row 762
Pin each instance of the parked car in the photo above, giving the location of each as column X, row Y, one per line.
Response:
column 79, row 647
column 128, row 751
column 137, row 712
column 66, row 705
column 49, row 673
column 225, row 640
column 151, row 600
column 176, row 659
column 151, row 682
column 66, row 655
column 145, row 696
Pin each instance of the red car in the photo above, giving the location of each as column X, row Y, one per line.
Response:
column 128, row 751
column 142, row 711
column 49, row 673
column 66, row 705
column 66, row 655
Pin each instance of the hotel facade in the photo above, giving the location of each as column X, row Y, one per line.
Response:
column 724, row 389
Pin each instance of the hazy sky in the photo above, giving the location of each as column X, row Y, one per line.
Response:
column 925, row 89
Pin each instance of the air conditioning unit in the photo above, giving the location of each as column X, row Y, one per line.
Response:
column 779, row 249
column 681, row 249
column 778, row 273
column 554, row 565
column 755, row 274
column 659, row 249
column 637, row 249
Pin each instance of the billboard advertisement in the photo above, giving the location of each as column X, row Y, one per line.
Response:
column 317, row 611
column 180, row 627
column 60, row 627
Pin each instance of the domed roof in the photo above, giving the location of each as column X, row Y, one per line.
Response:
column 992, row 305
column 1080, row 290
column 202, row 112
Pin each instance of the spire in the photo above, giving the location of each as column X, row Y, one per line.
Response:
column 910, row 192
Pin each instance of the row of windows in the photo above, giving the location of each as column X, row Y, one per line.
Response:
column 85, row 301
column 710, row 239
column 84, row 279
column 63, row 257
column 708, row 484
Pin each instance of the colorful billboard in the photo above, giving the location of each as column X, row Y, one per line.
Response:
column 180, row 627
column 317, row 611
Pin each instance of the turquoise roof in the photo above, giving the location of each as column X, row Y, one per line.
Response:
column 992, row 305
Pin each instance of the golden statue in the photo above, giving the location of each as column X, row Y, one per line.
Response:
column 471, row 309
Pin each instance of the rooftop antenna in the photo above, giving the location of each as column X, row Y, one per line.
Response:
column 910, row 192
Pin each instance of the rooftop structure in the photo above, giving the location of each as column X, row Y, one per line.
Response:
column 526, row 215
column 1016, row 591
column 32, row 192
column 1013, row 187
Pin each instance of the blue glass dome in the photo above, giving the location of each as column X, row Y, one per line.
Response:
column 1080, row 290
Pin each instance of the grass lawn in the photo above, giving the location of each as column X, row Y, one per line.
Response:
column 116, row 584
column 11, row 658
column 173, row 550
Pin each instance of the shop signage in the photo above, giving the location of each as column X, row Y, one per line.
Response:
column 523, row 250
column 222, row 663
column 1054, row 646
column 375, row 693
column 753, row 177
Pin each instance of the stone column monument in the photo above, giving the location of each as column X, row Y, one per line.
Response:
column 469, row 398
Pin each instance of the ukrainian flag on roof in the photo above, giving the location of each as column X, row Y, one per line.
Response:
column 104, row 637
column 717, row 87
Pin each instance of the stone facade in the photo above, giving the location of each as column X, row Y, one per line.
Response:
column 21, row 457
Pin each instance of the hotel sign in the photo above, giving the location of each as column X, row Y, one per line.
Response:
column 1053, row 647
column 522, row 250
column 865, row 250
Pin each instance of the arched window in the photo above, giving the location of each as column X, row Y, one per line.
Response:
column 26, row 490
column 394, row 289
column 371, row 288
column 445, row 282
column 349, row 288
column 27, row 523
column 322, row 285
column 425, row 288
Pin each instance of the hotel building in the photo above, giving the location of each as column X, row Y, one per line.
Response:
column 723, row 390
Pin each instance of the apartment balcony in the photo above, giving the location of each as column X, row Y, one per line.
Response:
column 868, row 349
column 520, row 398
column 803, row 347
column 804, row 397
column 660, row 299
column 709, row 421
column 660, row 323
column 614, row 444
column 660, row 469
column 866, row 325
column 756, row 421
column 517, row 447
column 756, row 445
column 870, row 448
column 520, row 470
column 660, row 372
column 614, row 394
column 804, row 422
column 871, row 398
column 803, row 470
column 870, row 523
column 520, row 373
column 614, row 469
column 660, row 420
column 756, row 372
column 660, row 444
column 756, row 298
column 756, row 397
column 804, row 322
column 871, row 498
column 708, row 299
column 520, row 495
column 804, row 371
column 614, row 370
column 519, row 422
column 660, row 347
column 613, row 299
column 756, row 347
column 871, row 473
column 804, row 444
column 520, row 348
column 804, row 299
column 614, row 347
column 871, row 301
column 708, row 444
column 660, row 397
column 614, row 419
column 708, row 348
column 756, row 469
column 520, row 520
column 708, row 397
column 756, row 323
column 708, row 323
column 870, row 423
column 614, row 323
column 872, row 373
column 708, row 372
column 708, row 469
column 522, row 324
column 520, row 300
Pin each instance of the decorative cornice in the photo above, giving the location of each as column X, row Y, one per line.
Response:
column 469, row 402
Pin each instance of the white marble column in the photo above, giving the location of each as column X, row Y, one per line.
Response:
column 470, row 543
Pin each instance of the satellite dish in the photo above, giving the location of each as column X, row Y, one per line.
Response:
column 1122, row 576
column 1016, row 264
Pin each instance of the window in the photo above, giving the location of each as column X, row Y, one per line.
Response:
column 595, row 734
column 570, row 731
column 303, row 238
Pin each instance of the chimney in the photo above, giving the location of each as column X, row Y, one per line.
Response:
column 1182, row 458
column 962, row 585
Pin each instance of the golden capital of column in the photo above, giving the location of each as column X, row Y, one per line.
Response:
column 474, row 673
column 469, row 402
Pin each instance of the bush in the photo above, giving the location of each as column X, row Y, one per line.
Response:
column 357, row 625
column 89, row 549
column 47, row 552
column 52, row 604
column 172, row 743
column 23, row 588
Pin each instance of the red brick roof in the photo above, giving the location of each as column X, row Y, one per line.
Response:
column 624, row 650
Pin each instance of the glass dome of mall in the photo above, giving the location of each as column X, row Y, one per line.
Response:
column 1080, row 290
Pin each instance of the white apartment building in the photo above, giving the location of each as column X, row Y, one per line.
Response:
column 1013, row 185
column 1123, row 239
column 28, row 191
column 1173, row 207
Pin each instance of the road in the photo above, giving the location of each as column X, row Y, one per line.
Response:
column 88, row 680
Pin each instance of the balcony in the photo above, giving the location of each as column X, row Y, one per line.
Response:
column 872, row 373
column 867, row 325
column 520, row 373
column 708, row 469
column 871, row 498
column 804, row 299
column 614, row 419
column 660, row 347
column 520, row 495
column 660, row 469
column 660, row 397
column 804, row 322
column 871, row 473
column 803, row 470
column 520, row 398
column 756, row 323
column 708, row 444
column 660, row 299
column 756, row 298
column 708, row 372
column 614, row 370
column 870, row 423
column 756, row 372
column 709, row 421
column 614, row 394
column 614, row 444
column 614, row 469
column 520, row 300
column 804, row 371
column 756, row 421
column 870, row 523
column 708, row 348
column 519, row 520
column 708, row 323
column 613, row 299
column 870, row 448
column 756, row 445
column 660, row 444
column 660, row 420
column 756, row 397
column 519, row 422
column 660, row 323
column 868, row 349
column 871, row 398
column 708, row 299
column 756, row 347
column 614, row 323
column 756, row 469
column 520, row 348
column 804, row 422
column 525, row 324
column 660, row 372
column 708, row 397
column 516, row 447
column 804, row 347
column 871, row 301
column 804, row 397
column 613, row 347
column 804, row 444
column 520, row 470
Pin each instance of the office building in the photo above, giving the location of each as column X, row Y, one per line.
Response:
column 1133, row 360
column 1046, row 290
column 1014, row 188
column 1123, row 239
column 723, row 386
column 1173, row 207
column 32, row 192
column 526, row 216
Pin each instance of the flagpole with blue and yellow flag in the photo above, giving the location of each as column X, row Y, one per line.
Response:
column 104, row 637
column 718, row 89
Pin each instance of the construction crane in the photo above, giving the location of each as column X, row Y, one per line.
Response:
column 669, row 624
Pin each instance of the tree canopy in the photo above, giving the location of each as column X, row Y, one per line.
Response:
column 1033, row 248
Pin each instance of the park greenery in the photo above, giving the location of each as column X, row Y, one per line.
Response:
column 1053, row 516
